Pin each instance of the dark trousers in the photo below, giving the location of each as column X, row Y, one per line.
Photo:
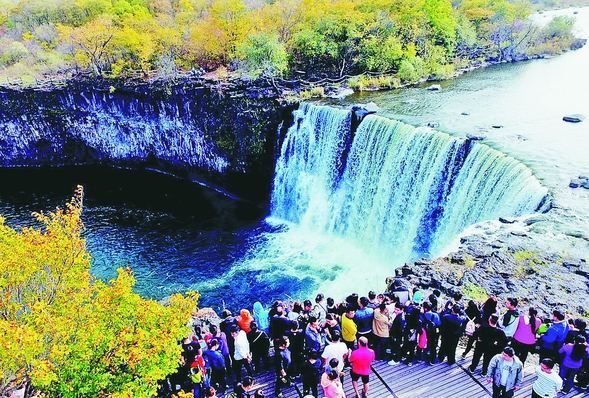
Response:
column 382, row 344
column 568, row 376
column 310, row 387
column 409, row 350
column 484, row 351
column 281, row 382
column 469, row 345
column 259, row 358
column 396, row 345
column 432, row 348
column 237, row 364
column 500, row 392
column 534, row 395
column 448, row 348
column 522, row 350
column 218, row 377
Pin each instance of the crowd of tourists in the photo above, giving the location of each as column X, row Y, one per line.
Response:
column 315, row 343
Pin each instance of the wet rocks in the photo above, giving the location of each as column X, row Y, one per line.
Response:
column 575, row 118
column 581, row 181
column 508, row 266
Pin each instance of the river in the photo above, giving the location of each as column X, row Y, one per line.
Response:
column 166, row 231
column 527, row 100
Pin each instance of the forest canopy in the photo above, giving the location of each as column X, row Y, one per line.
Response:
column 67, row 333
column 272, row 38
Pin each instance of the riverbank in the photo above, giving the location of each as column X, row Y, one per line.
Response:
column 509, row 264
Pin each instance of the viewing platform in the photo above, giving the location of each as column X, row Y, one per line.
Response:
column 420, row 380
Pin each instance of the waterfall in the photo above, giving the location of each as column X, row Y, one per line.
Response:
column 393, row 190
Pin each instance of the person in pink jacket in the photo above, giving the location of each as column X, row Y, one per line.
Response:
column 524, row 338
column 361, row 359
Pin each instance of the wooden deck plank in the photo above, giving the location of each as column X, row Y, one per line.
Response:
column 420, row 380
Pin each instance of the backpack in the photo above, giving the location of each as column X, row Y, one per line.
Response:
column 428, row 325
column 195, row 375
column 412, row 335
column 470, row 327
column 422, row 342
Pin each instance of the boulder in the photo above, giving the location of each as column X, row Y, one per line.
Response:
column 507, row 220
column 577, row 182
column 473, row 137
column 361, row 111
column 434, row 87
column 575, row 118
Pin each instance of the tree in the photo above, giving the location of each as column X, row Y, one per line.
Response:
column 264, row 55
column 69, row 335
column 92, row 44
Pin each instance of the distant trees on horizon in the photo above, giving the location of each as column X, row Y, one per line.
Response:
column 273, row 38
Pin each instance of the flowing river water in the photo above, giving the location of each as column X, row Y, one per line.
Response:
column 163, row 229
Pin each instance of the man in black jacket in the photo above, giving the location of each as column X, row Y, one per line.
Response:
column 452, row 328
column 490, row 340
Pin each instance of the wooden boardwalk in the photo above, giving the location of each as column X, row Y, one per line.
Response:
column 420, row 380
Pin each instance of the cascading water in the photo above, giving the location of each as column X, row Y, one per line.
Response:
column 387, row 193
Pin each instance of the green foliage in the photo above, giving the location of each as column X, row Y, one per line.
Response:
column 475, row 292
column 527, row 263
column 13, row 52
column 364, row 82
column 264, row 55
column 560, row 26
column 69, row 335
column 381, row 55
column 321, row 38
column 412, row 70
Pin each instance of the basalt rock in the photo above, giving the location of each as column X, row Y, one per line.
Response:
column 221, row 134
column 520, row 268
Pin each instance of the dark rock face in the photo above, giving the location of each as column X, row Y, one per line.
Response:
column 510, row 267
column 224, row 136
column 576, row 118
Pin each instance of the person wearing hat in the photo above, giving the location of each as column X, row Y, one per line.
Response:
column 506, row 373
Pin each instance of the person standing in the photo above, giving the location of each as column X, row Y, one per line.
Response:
column 524, row 339
column 380, row 327
column 241, row 355
column 332, row 386
column 509, row 320
column 363, row 319
column 338, row 350
column 547, row 383
column 282, row 363
column 574, row 355
column 506, row 373
column 349, row 328
column 555, row 336
column 489, row 342
column 361, row 359
column 311, row 374
column 431, row 323
column 452, row 328
column 260, row 347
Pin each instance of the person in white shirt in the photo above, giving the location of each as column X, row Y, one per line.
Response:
column 548, row 382
column 241, row 355
column 338, row 350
